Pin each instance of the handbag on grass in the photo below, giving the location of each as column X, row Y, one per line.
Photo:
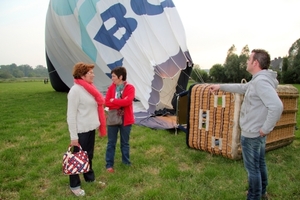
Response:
column 75, row 163
column 114, row 117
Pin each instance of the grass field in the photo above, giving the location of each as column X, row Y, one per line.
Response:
column 34, row 136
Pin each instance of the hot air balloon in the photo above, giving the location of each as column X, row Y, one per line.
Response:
column 145, row 36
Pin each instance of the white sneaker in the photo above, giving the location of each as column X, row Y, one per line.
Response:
column 78, row 192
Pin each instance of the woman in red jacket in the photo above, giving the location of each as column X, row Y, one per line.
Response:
column 120, row 95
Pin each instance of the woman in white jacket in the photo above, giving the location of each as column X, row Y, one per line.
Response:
column 84, row 115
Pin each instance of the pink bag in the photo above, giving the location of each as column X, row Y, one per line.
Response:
column 75, row 163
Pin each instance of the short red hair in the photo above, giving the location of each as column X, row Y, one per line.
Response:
column 80, row 69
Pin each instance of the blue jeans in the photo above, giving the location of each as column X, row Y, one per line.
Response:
column 253, row 150
column 112, row 135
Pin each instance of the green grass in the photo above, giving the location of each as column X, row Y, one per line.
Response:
column 34, row 136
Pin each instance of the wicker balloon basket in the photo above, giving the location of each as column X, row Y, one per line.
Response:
column 213, row 121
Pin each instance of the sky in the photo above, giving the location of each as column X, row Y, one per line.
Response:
column 211, row 28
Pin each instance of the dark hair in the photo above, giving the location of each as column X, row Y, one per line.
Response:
column 120, row 71
column 263, row 58
column 80, row 69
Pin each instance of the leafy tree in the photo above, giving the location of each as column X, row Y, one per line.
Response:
column 285, row 64
column 12, row 68
column 204, row 76
column 243, row 58
column 9, row 68
column 41, row 71
column 235, row 66
column 288, row 77
column 14, row 71
column 26, row 69
column 217, row 74
column 199, row 75
column 231, row 65
column 5, row 74
column 293, row 71
column 293, row 51
column 17, row 73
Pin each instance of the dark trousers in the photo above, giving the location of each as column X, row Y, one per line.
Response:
column 87, row 142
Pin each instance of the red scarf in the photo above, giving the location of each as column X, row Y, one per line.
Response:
column 100, row 101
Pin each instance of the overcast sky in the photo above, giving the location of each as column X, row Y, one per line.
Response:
column 211, row 27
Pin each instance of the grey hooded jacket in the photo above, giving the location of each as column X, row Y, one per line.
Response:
column 261, row 107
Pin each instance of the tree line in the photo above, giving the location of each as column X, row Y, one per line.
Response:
column 232, row 71
column 14, row 71
column 234, row 68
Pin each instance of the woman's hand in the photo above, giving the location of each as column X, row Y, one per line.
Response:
column 74, row 143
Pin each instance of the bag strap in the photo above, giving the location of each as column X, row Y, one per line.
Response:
column 70, row 146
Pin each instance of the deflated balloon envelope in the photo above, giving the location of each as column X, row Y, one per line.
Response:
column 145, row 36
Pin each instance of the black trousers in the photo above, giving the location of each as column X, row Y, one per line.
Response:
column 87, row 142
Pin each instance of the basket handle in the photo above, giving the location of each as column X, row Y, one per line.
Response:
column 243, row 81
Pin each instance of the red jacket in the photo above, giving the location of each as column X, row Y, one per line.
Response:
column 126, row 101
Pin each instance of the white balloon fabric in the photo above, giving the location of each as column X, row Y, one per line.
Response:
column 145, row 36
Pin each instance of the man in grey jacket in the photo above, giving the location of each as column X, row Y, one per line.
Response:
column 260, row 111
